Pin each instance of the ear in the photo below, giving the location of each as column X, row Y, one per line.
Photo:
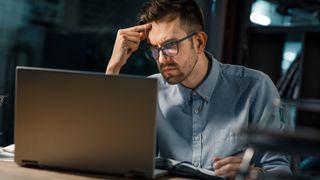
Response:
column 201, row 41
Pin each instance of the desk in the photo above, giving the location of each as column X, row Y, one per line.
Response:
column 11, row 171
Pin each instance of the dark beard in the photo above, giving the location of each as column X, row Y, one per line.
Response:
column 168, row 65
column 180, row 76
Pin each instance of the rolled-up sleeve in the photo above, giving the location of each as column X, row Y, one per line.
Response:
column 266, row 116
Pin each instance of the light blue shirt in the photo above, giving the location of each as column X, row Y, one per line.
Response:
column 196, row 125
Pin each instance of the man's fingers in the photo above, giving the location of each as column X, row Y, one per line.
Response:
column 229, row 167
column 215, row 158
column 127, row 41
column 133, row 39
column 130, row 46
column 228, row 160
column 130, row 33
column 229, row 170
column 229, row 175
column 134, row 34
column 143, row 35
column 141, row 28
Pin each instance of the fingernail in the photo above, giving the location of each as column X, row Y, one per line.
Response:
column 216, row 158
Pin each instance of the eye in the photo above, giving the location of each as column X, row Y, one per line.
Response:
column 170, row 49
column 171, row 45
column 154, row 52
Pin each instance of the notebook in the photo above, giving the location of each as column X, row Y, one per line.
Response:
column 86, row 121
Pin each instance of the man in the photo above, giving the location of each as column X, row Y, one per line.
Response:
column 201, row 101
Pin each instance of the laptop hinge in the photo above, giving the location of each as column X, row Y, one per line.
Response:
column 30, row 163
column 135, row 174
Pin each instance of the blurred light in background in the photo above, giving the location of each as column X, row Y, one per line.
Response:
column 259, row 13
column 260, row 19
column 290, row 52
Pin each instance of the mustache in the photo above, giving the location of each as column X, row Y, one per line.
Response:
column 168, row 65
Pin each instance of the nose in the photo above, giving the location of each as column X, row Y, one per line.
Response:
column 163, row 58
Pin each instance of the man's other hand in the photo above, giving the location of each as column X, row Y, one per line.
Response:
column 228, row 166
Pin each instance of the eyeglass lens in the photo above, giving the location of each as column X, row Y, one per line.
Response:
column 170, row 49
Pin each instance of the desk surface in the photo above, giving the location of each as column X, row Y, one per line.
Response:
column 11, row 171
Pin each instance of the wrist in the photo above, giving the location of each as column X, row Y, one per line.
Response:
column 115, row 64
column 254, row 172
column 258, row 169
column 113, row 70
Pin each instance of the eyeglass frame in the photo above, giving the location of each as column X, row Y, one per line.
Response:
column 162, row 47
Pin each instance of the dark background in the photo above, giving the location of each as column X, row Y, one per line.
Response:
column 79, row 35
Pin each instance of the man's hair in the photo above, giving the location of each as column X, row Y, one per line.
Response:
column 188, row 11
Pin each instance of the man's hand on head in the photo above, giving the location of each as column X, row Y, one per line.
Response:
column 127, row 42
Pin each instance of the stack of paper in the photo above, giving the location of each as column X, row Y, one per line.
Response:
column 7, row 153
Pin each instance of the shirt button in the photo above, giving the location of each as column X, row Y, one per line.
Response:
column 196, row 163
column 196, row 111
column 196, row 138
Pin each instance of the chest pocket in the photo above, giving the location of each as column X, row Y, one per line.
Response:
column 227, row 142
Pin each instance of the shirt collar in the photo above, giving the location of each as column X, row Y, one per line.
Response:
column 207, row 86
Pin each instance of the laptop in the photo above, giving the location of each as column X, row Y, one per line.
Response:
column 91, row 122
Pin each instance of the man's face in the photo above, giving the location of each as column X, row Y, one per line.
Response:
column 180, row 67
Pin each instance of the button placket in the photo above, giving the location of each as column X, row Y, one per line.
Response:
column 197, row 128
column 196, row 138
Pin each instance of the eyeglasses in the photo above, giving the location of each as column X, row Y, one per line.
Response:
column 168, row 49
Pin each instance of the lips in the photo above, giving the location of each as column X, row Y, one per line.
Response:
column 168, row 67
column 168, row 70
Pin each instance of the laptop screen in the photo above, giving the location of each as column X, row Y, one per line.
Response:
column 85, row 121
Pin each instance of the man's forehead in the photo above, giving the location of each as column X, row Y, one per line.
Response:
column 164, row 31
column 160, row 38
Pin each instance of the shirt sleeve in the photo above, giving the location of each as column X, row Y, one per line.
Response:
column 265, row 115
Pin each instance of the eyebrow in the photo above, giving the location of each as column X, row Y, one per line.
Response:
column 163, row 43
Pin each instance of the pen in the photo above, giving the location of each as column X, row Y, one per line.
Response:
column 210, row 167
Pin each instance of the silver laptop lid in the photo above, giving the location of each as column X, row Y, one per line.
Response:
column 85, row 121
